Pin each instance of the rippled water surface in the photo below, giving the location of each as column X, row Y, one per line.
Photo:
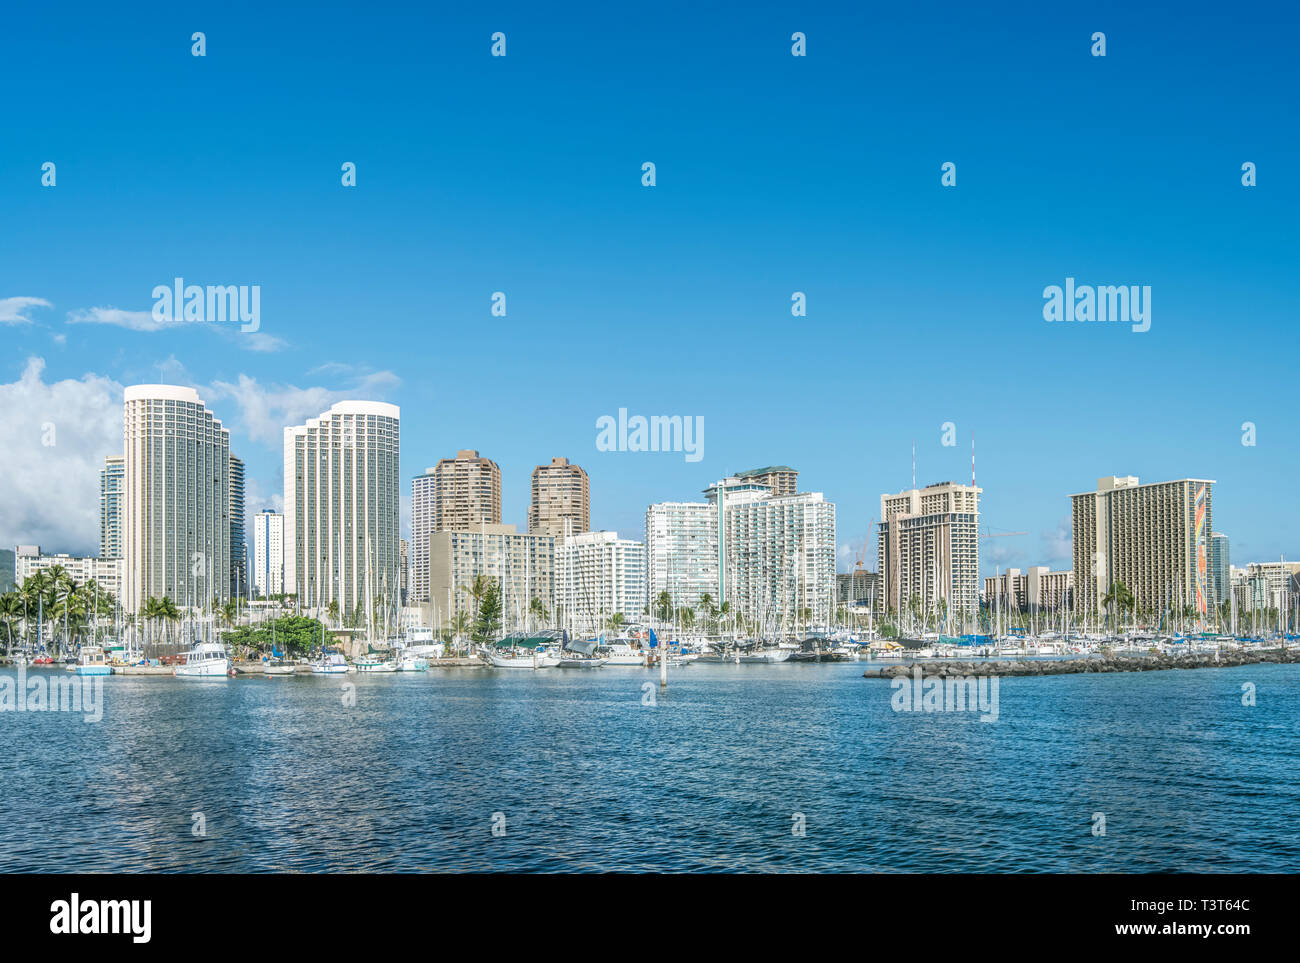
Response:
column 289, row 778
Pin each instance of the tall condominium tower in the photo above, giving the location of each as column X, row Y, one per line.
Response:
column 112, row 477
column 1154, row 538
column 467, row 492
column 599, row 575
column 776, row 555
column 238, row 545
column 341, row 507
column 424, row 496
column 766, row 556
column 176, row 506
column 1220, row 566
column 268, row 554
column 929, row 551
column 560, row 492
column 779, row 479
column 681, row 548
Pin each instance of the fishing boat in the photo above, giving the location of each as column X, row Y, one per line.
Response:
column 371, row 664
column 92, row 661
column 205, row 660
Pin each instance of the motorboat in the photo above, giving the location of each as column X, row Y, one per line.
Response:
column 92, row 661
column 205, row 660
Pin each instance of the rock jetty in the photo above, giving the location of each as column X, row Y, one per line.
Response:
column 1144, row 663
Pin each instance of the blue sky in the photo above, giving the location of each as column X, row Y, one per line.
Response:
column 775, row 174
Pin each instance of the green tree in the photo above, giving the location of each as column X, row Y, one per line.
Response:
column 487, row 618
column 664, row 606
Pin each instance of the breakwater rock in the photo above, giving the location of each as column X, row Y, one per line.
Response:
column 1143, row 663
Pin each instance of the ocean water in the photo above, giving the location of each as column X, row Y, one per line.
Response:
column 578, row 773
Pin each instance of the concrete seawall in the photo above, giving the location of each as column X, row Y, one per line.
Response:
column 1225, row 660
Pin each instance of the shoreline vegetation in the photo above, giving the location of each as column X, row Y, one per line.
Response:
column 1105, row 663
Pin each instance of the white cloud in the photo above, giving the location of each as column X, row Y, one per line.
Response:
column 265, row 410
column 17, row 310
column 1058, row 544
column 145, row 321
column 131, row 320
column 50, row 492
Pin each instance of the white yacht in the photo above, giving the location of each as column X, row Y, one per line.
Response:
column 621, row 652
column 205, row 660
column 767, row 655
column 538, row 658
column 331, row 663
column 371, row 664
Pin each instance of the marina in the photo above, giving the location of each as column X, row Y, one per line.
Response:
column 580, row 765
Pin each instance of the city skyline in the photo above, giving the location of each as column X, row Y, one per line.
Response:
column 818, row 175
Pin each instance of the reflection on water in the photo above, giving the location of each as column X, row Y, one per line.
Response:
column 288, row 778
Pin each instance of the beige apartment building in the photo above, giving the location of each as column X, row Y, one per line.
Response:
column 523, row 565
column 1154, row 538
column 561, row 492
column 781, row 479
column 467, row 492
column 929, row 549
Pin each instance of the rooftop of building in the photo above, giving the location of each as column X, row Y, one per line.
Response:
column 763, row 471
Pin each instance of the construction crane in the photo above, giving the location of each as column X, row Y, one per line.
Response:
column 865, row 545
column 987, row 534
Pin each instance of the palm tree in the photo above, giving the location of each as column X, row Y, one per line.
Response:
column 664, row 606
column 476, row 590
column 615, row 622
column 11, row 607
column 1118, row 598
column 537, row 608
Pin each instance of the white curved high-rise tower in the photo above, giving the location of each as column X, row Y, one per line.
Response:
column 176, row 498
column 341, row 506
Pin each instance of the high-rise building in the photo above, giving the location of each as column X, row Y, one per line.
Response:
column 681, row 546
column 561, row 493
column 929, row 551
column 857, row 589
column 766, row 556
column 176, row 506
column 599, row 575
column 238, row 545
column 424, row 498
column 776, row 555
column 404, row 567
column 1153, row 538
column 1220, row 566
column 268, row 554
column 523, row 566
column 341, row 507
column 467, row 492
column 780, row 479
column 8, row 570
column 112, row 477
